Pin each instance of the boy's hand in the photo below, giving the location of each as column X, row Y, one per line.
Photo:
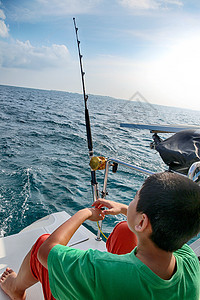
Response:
column 95, row 214
column 114, row 208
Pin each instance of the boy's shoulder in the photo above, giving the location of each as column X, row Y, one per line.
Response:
column 187, row 251
column 188, row 257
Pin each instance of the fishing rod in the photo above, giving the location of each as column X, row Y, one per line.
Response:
column 94, row 183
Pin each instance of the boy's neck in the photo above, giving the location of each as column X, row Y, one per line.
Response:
column 161, row 262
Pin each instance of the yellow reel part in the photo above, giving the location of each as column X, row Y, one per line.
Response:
column 98, row 163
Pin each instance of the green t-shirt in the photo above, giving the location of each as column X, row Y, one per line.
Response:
column 91, row 274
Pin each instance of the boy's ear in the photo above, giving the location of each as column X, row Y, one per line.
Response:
column 143, row 223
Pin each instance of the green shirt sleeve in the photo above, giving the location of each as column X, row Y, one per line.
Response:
column 71, row 273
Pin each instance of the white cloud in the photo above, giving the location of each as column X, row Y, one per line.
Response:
column 23, row 55
column 174, row 2
column 149, row 4
column 3, row 27
column 33, row 10
column 2, row 15
column 61, row 7
column 139, row 4
column 68, row 6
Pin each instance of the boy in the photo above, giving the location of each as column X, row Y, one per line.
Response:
column 164, row 215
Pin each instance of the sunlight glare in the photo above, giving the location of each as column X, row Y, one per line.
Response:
column 178, row 72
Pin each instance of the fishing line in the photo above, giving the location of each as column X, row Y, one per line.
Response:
column 101, row 231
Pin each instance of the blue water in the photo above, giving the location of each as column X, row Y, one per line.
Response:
column 44, row 156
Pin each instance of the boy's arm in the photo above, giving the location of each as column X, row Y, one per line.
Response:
column 63, row 234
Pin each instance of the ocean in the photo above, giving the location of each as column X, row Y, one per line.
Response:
column 44, row 162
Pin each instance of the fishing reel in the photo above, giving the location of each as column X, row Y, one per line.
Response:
column 99, row 163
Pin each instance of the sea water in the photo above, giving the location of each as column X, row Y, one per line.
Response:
column 44, row 163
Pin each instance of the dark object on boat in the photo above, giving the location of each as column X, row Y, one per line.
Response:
column 179, row 151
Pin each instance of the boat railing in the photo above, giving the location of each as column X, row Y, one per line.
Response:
column 194, row 171
column 114, row 163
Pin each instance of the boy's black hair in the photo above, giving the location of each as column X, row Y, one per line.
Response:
column 172, row 204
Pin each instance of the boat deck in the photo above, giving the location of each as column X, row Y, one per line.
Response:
column 14, row 248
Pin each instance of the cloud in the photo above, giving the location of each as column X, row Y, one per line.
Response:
column 23, row 55
column 139, row 4
column 149, row 4
column 174, row 2
column 4, row 29
column 2, row 15
column 61, row 7
column 34, row 10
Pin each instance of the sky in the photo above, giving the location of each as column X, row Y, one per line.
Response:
column 149, row 46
